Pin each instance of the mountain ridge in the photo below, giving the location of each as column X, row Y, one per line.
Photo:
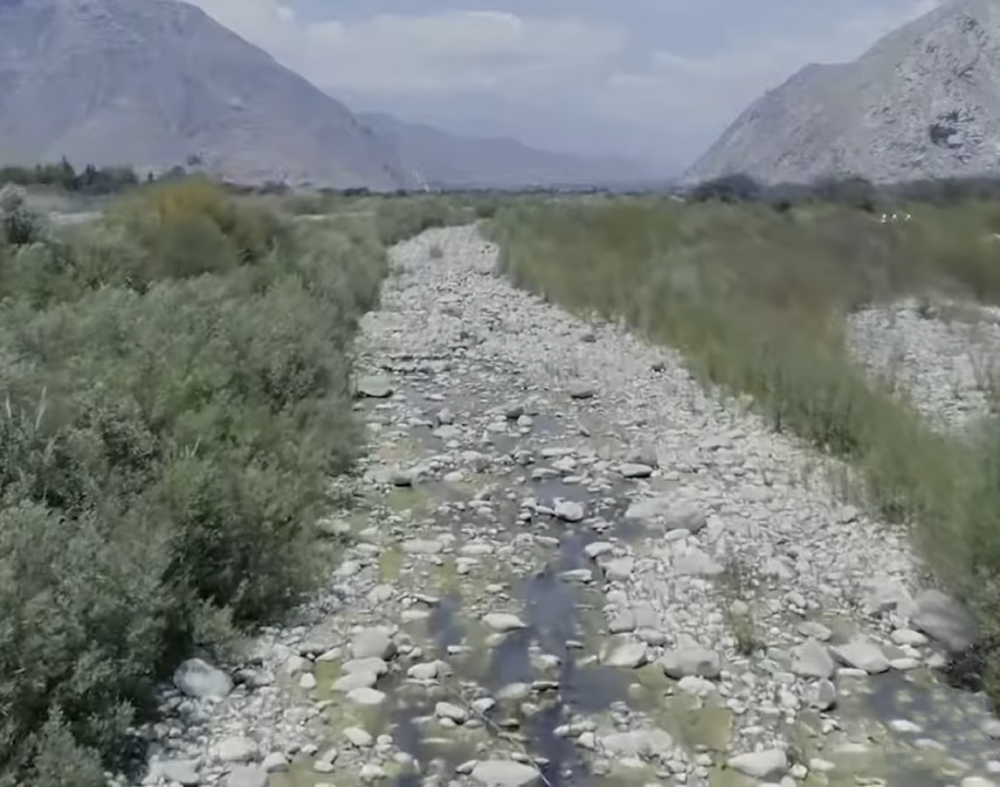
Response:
column 153, row 82
column 449, row 160
column 157, row 83
column 922, row 101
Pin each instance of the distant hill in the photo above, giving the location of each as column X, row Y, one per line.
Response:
column 924, row 101
column 154, row 82
column 446, row 160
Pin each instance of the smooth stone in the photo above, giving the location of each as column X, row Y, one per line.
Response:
column 375, row 386
column 199, row 679
column 503, row 773
column 366, row 696
column 247, row 776
column 769, row 764
column 863, row 654
column 696, row 661
column 503, row 621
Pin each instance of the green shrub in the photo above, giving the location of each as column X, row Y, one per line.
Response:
column 19, row 224
column 174, row 397
column 193, row 226
column 403, row 217
column 728, row 188
column 62, row 175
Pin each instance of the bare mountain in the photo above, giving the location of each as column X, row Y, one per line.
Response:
column 152, row 82
column 924, row 101
column 446, row 160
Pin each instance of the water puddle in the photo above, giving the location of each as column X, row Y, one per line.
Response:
column 562, row 765
column 947, row 720
column 443, row 624
column 905, row 728
column 542, row 676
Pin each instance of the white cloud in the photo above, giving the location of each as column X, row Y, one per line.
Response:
column 582, row 68
column 271, row 24
column 689, row 98
column 457, row 52
column 446, row 52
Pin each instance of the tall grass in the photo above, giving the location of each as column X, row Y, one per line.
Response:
column 755, row 299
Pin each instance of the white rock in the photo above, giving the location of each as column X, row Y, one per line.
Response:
column 813, row 660
column 635, row 470
column 626, row 655
column 769, row 764
column 275, row 762
column 977, row 781
column 905, row 726
column 908, row 637
column 696, row 661
column 365, row 696
column 862, row 654
column 597, row 548
column 183, row 772
column 246, row 776
column 236, row 748
column 372, row 643
column 504, row 773
column 503, row 621
column 569, row 511
column 447, row 710
column 198, row 678
column 359, row 737
column 355, row 680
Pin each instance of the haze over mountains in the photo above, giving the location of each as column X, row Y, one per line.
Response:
column 153, row 82
column 457, row 161
column 924, row 101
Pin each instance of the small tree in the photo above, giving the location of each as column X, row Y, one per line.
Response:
column 19, row 224
column 852, row 190
column 728, row 188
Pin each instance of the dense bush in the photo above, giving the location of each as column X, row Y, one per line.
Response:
column 403, row 217
column 19, row 225
column 848, row 190
column 397, row 218
column 174, row 396
column 63, row 175
column 728, row 188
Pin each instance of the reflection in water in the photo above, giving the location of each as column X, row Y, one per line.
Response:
column 443, row 624
column 552, row 613
column 509, row 661
column 406, row 734
column 950, row 717
column 562, row 765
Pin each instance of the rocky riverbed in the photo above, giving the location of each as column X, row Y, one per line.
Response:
column 573, row 566
column 940, row 355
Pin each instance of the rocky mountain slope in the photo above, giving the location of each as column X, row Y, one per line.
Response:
column 924, row 101
column 454, row 161
column 152, row 82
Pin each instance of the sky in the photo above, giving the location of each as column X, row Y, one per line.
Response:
column 654, row 80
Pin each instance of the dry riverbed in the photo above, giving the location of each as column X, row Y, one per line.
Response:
column 572, row 566
column 940, row 355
